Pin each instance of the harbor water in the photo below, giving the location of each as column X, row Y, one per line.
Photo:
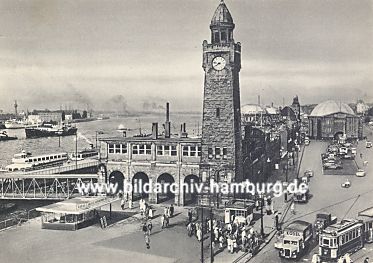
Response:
column 86, row 135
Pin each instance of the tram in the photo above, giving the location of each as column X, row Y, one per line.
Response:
column 341, row 238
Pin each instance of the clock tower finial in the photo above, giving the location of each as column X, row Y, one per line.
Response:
column 222, row 25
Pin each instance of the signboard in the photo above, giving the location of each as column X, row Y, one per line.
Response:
column 292, row 233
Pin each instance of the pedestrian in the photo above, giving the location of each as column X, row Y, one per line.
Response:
column 366, row 260
column 172, row 210
column 189, row 229
column 122, row 202
column 292, row 208
column 150, row 212
column 190, row 216
column 167, row 220
column 199, row 234
column 130, row 204
column 276, row 222
column 162, row 221
column 150, row 227
column 361, row 155
column 147, row 240
column 144, row 228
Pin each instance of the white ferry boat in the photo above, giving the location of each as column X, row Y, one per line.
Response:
column 25, row 161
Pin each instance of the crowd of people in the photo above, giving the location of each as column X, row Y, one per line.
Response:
column 234, row 236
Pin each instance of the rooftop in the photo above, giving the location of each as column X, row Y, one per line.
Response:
column 222, row 15
column 330, row 107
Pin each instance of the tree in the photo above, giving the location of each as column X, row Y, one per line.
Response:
column 85, row 113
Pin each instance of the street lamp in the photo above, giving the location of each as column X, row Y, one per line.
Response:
column 99, row 150
column 261, row 214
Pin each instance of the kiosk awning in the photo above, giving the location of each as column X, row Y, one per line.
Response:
column 78, row 205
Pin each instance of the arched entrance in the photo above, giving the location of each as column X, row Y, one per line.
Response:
column 138, row 182
column 165, row 180
column 190, row 190
column 117, row 177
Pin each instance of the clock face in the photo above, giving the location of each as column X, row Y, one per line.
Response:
column 218, row 63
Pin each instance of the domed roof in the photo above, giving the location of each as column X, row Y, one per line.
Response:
column 222, row 15
column 252, row 109
column 330, row 107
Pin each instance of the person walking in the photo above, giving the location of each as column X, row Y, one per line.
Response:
column 147, row 240
column 162, row 221
column 122, row 203
column 199, row 234
column 172, row 210
column 150, row 227
column 366, row 260
column 151, row 212
column 130, row 204
column 292, row 208
column 190, row 216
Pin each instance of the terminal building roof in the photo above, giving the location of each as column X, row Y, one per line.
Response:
column 331, row 107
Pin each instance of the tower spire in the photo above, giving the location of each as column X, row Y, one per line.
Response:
column 222, row 25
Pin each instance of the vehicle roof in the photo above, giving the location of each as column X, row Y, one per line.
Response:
column 340, row 226
column 298, row 225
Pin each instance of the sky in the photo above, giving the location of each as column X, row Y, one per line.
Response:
column 138, row 54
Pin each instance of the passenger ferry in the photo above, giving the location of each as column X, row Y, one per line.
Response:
column 25, row 161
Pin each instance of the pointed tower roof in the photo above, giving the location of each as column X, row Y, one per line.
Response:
column 222, row 15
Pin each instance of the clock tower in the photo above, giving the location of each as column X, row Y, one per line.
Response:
column 221, row 127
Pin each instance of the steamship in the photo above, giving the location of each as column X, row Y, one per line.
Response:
column 50, row 130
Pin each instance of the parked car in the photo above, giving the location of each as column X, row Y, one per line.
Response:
column 368, row 144
column 332, row 165
column 348, row 156
column 360, row 173
column 346, row 184
column 306, row 142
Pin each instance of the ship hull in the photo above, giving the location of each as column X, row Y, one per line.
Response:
column 38, row 133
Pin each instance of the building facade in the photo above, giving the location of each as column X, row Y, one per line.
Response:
column 217, row 154
column 330, row 119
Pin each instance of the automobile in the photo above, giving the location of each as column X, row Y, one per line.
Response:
column 360, row 173
column 308, row 173
column 343, row 150
column 346, row 184
column 331, row 165
column 306, row 142
column 348, row 156
column 368, row 144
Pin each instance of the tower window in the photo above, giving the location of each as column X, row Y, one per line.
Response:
column 216, row 37
column 223, row 36
column 217, row 112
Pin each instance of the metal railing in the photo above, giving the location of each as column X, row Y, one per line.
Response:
column 17, row 220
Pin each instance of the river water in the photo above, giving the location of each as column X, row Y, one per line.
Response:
column 86, row 135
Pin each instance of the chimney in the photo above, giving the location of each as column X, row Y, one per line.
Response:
column 167, row 132
column 183, row 133
column 155, row 130
column 167, row 111
column 259, row 100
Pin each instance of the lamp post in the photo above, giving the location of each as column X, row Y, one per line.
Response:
column 261, row 215
column 76, row 151
column 99, row 150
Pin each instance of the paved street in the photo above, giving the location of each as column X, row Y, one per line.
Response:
column 329, row 196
